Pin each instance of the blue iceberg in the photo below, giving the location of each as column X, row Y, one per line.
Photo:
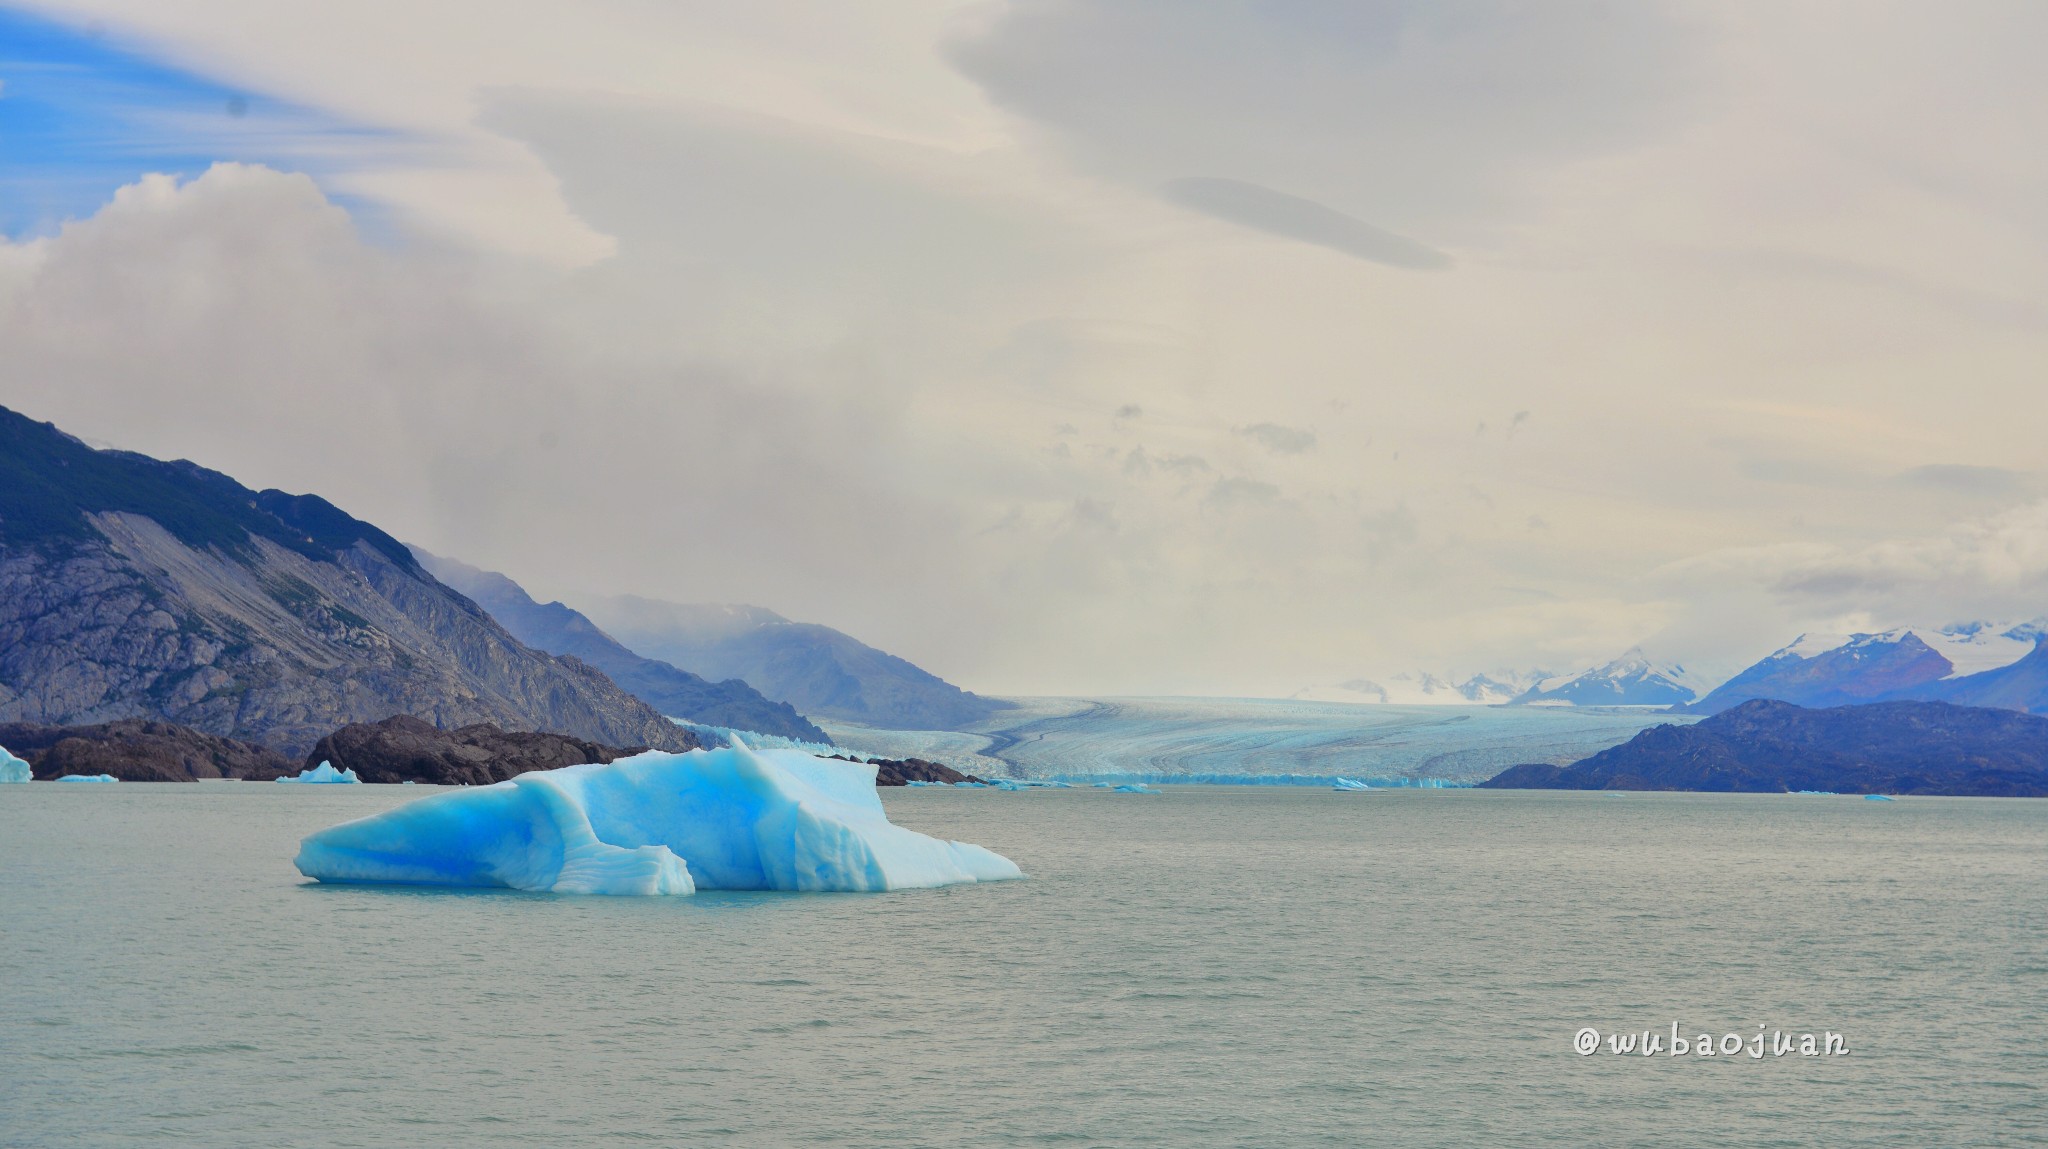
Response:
column 1878, row 798
column 88, row 778
column 1349, row 786
column 324, row 773
column 12, row 769
column 655, row 823
column 1134, row 788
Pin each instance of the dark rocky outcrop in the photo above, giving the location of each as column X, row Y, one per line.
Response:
column 677, row 693
column 902, row 772
column 136, row 588
column 406, row 749
column 139, row 750
column 1764, row 746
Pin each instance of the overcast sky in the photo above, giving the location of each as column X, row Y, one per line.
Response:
column 1139, row 347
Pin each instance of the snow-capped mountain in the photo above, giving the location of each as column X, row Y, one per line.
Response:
column 1968, row 662
column 1426, row 689
column 1631, row 680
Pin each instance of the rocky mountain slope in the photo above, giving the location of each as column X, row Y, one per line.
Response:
column 132, row 587
column 1763, row 746
column 677, row 693
column 1973, row 664
column 816, row 669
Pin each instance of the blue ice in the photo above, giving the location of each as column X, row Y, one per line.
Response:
column 1878, row 798
column 1134, row 788
column 324, row 772
column 1349, row 785
column 655, row 823
column 88, row 778
column 12, row 769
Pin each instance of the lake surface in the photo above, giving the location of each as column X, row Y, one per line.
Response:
column 1209, row 966
column 1074, row 737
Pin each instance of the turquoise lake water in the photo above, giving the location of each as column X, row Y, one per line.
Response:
column 1209, row 966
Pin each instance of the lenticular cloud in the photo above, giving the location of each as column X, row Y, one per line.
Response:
column 655, row 823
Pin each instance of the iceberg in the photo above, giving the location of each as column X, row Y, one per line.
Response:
column 1134, row 788
column 1879, row 798
column 12, row 769
column 324, row 773
column 1349, row 786
column 88, row 778
column 655, row 823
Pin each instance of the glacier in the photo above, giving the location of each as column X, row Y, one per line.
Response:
column 655, row 823
column 324, row 773
column 12, row 769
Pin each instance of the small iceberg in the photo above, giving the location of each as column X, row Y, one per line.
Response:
column 88, row 778
column 12, row 769
column 1878, row 798
column 1351, row 786
column 1134, row 788
column 324, row 773
column 655, row 823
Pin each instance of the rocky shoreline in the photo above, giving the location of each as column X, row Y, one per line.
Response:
column 398, row 749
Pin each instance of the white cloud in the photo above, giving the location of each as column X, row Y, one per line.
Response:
column 820, row 322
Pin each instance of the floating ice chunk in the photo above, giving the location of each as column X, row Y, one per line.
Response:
column 655, row 823
column 971, row 785
column 88, row 778
column 324, row 772
column 12, row 769
column 1878, row 798
column 1349, row 786
column 1134, row 788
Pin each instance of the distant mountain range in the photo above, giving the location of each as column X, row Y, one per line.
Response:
column 816, row 669
column 1764, row 746
column 136, row 588
column 1427, row 690
column 1973, row 664
column 1631, row 680
column 1996, row 664
column 677, row 693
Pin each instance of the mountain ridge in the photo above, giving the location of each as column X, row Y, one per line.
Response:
column 559, row 629
column 820, row 671
column 131, row 587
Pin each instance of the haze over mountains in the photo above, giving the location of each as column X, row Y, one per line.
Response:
column 815, row 668
column 558, row 629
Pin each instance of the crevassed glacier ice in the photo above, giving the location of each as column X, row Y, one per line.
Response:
column 88, row 778
column 12, row 769
column 655, row 823
column 324, row 773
